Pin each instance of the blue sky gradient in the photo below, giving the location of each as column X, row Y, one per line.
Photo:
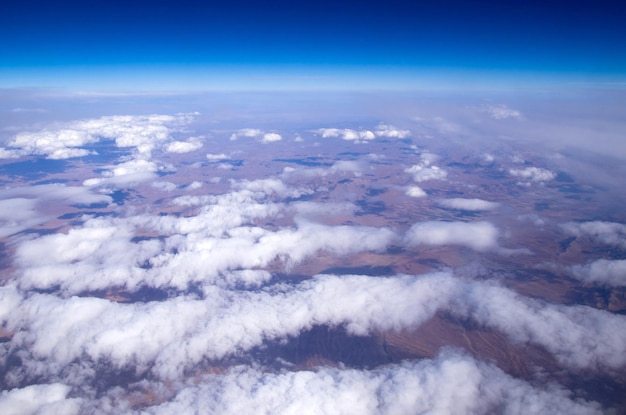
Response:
column 187, row 45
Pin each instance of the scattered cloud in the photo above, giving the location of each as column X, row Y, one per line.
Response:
column 425, row 170
column 165, row 186
column 423, row 173
column 362, row 136
column 609, row 233
column 271, row 137
column 217, row 157
column 257, row 134
column 23, row 207
column 602, row 271
column 468, row 204
column 183, row 146
column 205, row 283
column 383, row 130
column 246, row 132
column 126, row 173
column 347, row 134
column 479, row 236
column 39, row 400
column 341, row 167
column 67, row 140
column 415, row 191
column 533, row 174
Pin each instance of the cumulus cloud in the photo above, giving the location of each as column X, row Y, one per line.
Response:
column 415, row 191
column 609, row 233
column 246, row 132
column 271, row 137
column 165, row 186
column 578, row 337
column 602, row 271
column 217, row 157
column 533, row 174
column 132, row 171
column 21, row 207
column 102, row 253
column 390, row 131
column 183, row 146
column 18, row 214
column 194, row 185
column 168, row 337
column 39, row 400
column 468, row 204
column 172, row 335
column 425, row 170
column 479, row 236
column 347, row 134
column 341, row 167
column 452, row 383
column 362, row 136
column 422, row 173
column 257, row 134
column 67, row 140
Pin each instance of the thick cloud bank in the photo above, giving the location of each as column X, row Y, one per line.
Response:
column 450, row 384
column 168, row 337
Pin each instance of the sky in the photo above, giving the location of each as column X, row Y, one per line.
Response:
column 199, row 45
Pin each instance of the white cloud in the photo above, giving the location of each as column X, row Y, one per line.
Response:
column 194, row 185
column 479, row 236
column 347, row 134
column 271, row 137
column 577, row 336
column 126, row 173
column 340, row 167
column 206, row 246
column 415, row 191
column 21, row 207
column 39, row 400
column 602, row 271
column 534, row 174
column 18, row 214
column 217, row 157
column 171, row 336
column 165, row 186
column 257, row 134
column 249, row 132
column 182, row 146
column 449, row 384
column 66, row 140
column 423, row 172
column 390, row 131
column 468, row 204
column 55, row 144
column 382, row 130
column 246, row 132
column 609, row 233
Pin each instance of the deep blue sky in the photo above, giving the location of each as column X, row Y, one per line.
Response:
column 201, row 44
